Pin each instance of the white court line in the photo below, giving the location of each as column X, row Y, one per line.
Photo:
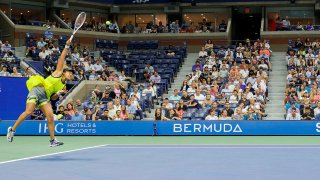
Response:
column 51, row 154
column 217, row 147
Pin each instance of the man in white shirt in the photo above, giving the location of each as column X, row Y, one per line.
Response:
column 43, row 54
column 6, row 47
column 155, row 77
column 293, row 115
column 199, row 97
column 97, row 66
column 112, row 111
column 167, row 104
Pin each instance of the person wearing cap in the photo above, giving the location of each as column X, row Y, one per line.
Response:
column 41, row 91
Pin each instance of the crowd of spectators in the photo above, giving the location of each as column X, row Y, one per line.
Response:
column 9, row 66
column 284, row 24
column 302, row 87
column 225, row 83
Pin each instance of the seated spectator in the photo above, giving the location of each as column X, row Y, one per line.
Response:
column 124, row 113
column 93, row 76
column 148, row 70
column 4, row 71
column 117, row 116
column 199, row 97
column 212, row 116
column 147, row 91
column 193, row 103
column 123, row 77
column 43, row 54
column 175, row 97
column 155, row 77
column 293, row 115
column 77, row 116
column 224, row 115
column 105, row 98
column 286, row 24
column 117, row 105
column 105, row 115
column 309, row 27
column 6, row 47
column 208, row 44
column 113, row 76
column 173, row 115
column 97, row 67
column 307, row 114
column 9, row 57
column 110, row 108
column 185, row 97
column 203, row 53
column 158, row 115
column 238, row 115
column 15, row 72
column 167, row 104
column 197, row 65
column 251, row 115
column 223, row 26
column 41, row 43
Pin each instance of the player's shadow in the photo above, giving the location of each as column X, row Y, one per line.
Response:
column 62, row 158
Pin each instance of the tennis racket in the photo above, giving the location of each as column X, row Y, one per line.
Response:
column 78, row 23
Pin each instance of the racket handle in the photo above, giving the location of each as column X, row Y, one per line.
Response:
column 71, row 37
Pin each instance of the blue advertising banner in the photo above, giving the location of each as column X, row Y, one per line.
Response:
column 238, row 128
column 175, row 128
column 13, row 95
column 81, row 128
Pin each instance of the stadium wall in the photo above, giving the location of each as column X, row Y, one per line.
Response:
column 169, row 128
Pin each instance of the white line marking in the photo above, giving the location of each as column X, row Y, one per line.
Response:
column 232, row 147
column 51, row 154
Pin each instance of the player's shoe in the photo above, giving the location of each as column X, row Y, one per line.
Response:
column 10, row 134
column 54, row 142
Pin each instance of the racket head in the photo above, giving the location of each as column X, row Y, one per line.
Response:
column 81, row 18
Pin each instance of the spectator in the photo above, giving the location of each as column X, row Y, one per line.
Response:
column 105, row 115
column 124, row 115
column 117, row 116
column 148, row 70
column 41, row 43
column 173, row 115
column 158, row 115
column 203, row 53
column 193, row 103
column 175, row 97
column 6, row 47
column 97, row 67
column 211, row 116
column 155, row 78
column 78, row 116
column 4, row 71
column 15, row 72
column 286, row 24
column 223, row 26
column 167, row 104
column 110, row 107
column 251, row 115
column 224, row 115
column 293, row 115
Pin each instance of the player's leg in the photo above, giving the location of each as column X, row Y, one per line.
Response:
column 31, row 105
column 48, row 112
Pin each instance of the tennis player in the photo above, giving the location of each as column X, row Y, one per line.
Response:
column 41, row 91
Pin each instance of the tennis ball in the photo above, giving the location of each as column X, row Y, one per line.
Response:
column 108, row 23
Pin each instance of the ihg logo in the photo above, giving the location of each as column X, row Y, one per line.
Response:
column 140, row 1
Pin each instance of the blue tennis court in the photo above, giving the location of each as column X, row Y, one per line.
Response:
column 241, row 162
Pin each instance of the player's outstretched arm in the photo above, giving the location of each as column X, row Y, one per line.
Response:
column 59, row 69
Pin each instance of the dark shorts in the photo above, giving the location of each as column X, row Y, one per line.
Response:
column 38, row 96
